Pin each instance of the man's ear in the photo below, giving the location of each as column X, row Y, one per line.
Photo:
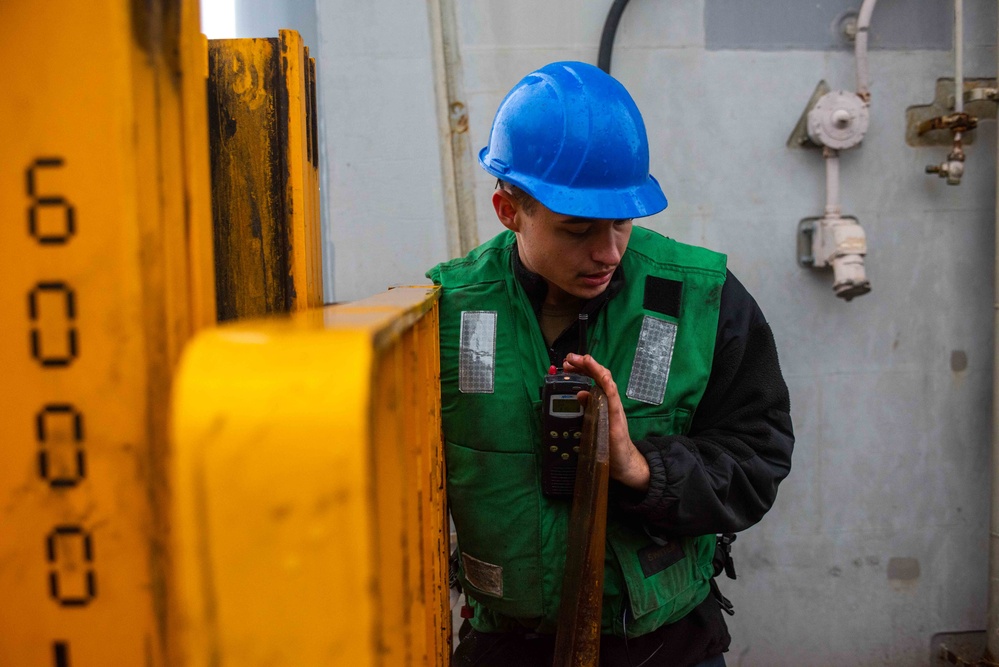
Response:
column 506, row 208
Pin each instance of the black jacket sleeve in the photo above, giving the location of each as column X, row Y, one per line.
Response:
column 722, row 476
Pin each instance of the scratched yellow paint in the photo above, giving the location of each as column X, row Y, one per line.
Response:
column 107, row 274
column 264, row 176
column 197, row 175
column 313, row 218
column 310, row 517
column 302, row 193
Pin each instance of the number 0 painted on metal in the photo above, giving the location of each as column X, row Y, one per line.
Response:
column 58, row 479
column 38, row 347
column 70, row 565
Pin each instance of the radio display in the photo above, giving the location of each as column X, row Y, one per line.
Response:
column 565, row 405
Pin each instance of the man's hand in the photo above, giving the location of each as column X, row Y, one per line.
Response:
column 627, row 465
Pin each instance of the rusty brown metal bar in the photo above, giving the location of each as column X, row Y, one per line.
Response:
column 577, row 641
column 955, row 122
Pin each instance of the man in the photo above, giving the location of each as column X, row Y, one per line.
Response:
column 700, row 431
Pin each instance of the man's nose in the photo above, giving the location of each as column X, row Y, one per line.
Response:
column 605, row 249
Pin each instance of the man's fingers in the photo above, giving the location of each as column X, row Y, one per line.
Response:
column 587, row 365
column 627, row 464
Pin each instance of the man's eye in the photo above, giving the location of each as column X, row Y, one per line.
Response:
column 577, row 231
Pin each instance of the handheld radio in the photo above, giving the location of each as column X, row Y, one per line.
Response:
column 562, row 426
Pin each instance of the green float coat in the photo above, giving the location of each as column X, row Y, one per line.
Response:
column 493, row 440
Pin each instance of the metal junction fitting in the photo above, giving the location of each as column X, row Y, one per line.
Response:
column 953, row 168
column 840, row 243
column 958, row 123
column 838, row 120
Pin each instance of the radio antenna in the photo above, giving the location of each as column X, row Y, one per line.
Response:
column 583, row 322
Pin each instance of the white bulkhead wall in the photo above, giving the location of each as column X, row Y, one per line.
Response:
column 878, row 537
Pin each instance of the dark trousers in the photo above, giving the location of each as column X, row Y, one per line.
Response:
column 484, row 649
column 697, row 640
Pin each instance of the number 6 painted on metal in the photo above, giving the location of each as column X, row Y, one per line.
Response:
column 46, row 201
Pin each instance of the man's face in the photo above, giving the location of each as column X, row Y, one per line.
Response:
column 576, row 256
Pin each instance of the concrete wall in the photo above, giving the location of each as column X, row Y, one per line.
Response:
column 878, row 538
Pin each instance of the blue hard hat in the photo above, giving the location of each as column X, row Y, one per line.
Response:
column 570, row 135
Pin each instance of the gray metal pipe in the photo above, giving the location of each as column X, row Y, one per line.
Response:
column 860, row 49
column 992, row 615
column 958, row 56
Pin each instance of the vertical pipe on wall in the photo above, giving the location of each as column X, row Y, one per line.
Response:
column 860, row 49
column 992, row 615
column 831, row 156
column 452, row 122
column 958, row 85
column 958, row 56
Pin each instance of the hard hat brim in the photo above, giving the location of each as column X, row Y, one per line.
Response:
column 601, row 203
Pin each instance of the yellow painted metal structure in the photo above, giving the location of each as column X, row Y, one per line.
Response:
column 265, row 176
column 107, row 272
column 310, row 519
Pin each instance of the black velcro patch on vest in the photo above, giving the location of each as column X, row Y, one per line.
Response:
column 663, row 295
column 654, row 559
